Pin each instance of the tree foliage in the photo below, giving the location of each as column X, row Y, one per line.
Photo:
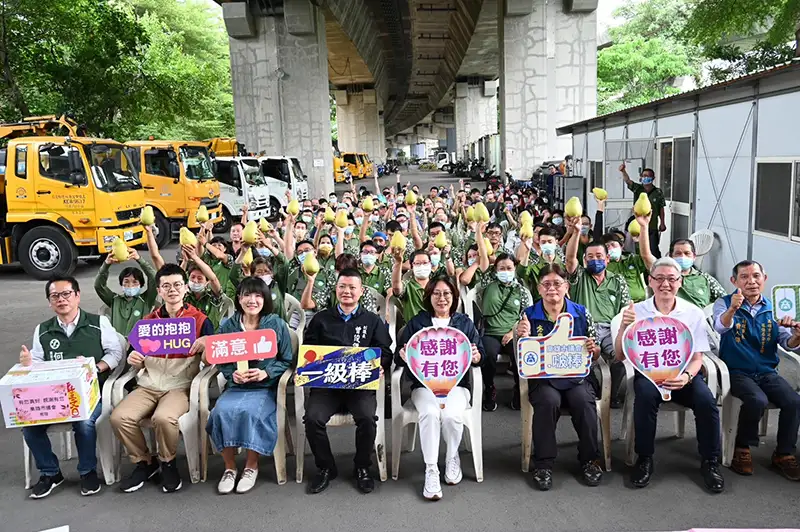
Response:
column 125, row 68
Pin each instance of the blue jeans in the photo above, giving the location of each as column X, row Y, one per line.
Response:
column 85, row 440
column 755, row 392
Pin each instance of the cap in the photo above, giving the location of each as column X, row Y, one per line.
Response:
column 380, row 234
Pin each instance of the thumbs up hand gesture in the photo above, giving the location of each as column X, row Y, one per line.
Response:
column 25, row 357
column 737, row 300
column 628, row 315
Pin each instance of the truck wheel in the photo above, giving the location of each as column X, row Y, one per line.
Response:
column 161, row 230
column 274, row 209
column 227, row 220
column 46, row 251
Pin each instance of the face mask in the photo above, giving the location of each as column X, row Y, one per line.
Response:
column 131, row 291
column 307, row 219
column 349, row 230
column 647, row 180
column 197, row 287
column 359, row 220
column 368, row 259
column 548, row 249
column 379, row 248
column 325, row 249
column 615, row 253
column 332, row 199
column 596, row 266
column 509, row 206
column 264, row 252
column 558, row 220
column 471, row 261
column 435, row 260
column 422, row 272
column 584, row 230
column 505, row 277
column 301, row 258
column 374, row 218
column 266, row 278
column 447, row 225
column 404, row 225
column 684, row 262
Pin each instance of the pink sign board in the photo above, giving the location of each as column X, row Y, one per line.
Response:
column 42, row 403
column 439, row 357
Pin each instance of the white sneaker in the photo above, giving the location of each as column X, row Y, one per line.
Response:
column 452, row 470
column 227, row 482
column 247, row 481
column 433, row 488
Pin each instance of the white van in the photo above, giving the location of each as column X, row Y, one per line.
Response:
column 241, row 183
column 281, row 174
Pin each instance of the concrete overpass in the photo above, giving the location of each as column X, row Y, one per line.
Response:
column 456, row 69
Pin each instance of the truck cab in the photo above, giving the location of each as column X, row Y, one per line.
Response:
column 177, row 177
column 65, row 198
column 241, row 183
column 283, row 173
column 353, row 163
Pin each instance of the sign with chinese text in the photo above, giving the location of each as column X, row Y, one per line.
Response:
column 439, row 357
column 557, row 355
column 348, row 368
column 240, row 347
column 167, row 336
column 786, row 301
column 659, row 348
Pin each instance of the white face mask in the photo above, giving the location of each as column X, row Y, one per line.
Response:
column 266, row 278
column 423, row 271
column 404, row 225
column 197, row 287
column 435, row 260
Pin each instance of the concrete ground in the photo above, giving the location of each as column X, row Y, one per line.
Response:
column 505, row 501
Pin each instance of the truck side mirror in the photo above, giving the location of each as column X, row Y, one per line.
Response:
column 236, row 178
column 214, row 167
column 76, row 171
column 174, row 170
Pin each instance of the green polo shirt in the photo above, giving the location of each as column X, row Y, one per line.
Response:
column 656, row 197
column 502, row 304
column 605, row 300
column 411, row 298
column 700, row 289
column 207, row 303
column 631, row 267
column 380, row 278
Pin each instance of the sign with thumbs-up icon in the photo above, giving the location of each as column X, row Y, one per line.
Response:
column 555, row 355
column 241, row 346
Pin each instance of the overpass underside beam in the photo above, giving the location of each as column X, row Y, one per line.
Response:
column 280, row 86
column 548, row 78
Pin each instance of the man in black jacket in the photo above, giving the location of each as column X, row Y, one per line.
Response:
column 347, row 324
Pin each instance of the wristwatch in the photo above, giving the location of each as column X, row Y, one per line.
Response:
column 690, row 377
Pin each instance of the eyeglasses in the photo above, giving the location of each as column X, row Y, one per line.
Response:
column 547, row 285
column 66, row 294
column 350, row 288
column 175, row 286
column 661, row 280
column 442, row 295
column 494, row 233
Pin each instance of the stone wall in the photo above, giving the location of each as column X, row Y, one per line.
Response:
column 475, row 115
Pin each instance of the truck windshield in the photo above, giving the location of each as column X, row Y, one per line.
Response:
column 297, row 170
column 112, row 169
column 252, row 172
column 196, row 163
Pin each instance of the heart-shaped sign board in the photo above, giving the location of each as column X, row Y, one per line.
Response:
column 659, row 348
column 439, row 357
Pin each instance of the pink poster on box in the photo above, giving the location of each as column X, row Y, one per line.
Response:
column 42, row 403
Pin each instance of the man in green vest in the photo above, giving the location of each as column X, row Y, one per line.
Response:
column 70, row 334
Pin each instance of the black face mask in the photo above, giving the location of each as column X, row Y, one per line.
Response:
column 379, row 249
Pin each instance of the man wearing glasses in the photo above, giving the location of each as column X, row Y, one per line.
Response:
column 687, row 389
column 162, row 394
column 70, row 334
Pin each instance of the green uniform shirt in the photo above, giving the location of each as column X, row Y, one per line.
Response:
column 631, row 267
column 502, row 304
column 411, row 298
column 700, row 289
column 125, row 312
column 380, row 278
column 605, row 300
column 291, row 280
column 656, row 197
column 86, row 340
column 207, row 303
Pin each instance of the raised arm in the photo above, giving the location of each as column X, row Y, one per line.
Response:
column 105, row 294
column 412, row 214
column 152, row 246
column 625, row 176
column 598, row 229
column 213, row 280
column 644, row 241
column 306, row 301
column 572, row 245
column 339, row 248
column 397, row 272
column 483, row 253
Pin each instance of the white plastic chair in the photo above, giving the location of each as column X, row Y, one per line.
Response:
column 469, row 299
column 392, row 321
column 703, row 242
column 187, row 423
column 295, row 312
column 710, row 367
column 105, row 435
column 341, row 420
column 731, row 405
column 227, row 308
column 405, row 423
column 283, row 445
column 104, row 310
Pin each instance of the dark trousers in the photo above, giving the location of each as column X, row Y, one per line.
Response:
column 494, row 347
column 696, row 396
column 655, row 240
column 755, row 392
column 322, row 404
column 547, row 402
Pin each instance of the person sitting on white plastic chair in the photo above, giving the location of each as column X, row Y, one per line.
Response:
column 163, row 392
column 245, row 415
column 686, row 389
column 547, row 395
column 71, row 333
column 440, row 300
column 750, row 336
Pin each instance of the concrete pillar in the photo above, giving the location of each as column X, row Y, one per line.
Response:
column 359, row 123
column 279, row 75
column 475, row 112
column 548, row 77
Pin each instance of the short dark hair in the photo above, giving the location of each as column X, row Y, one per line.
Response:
column 595, row 244
column 346, row 261
column 57, row 278
column 394, row 226
column 550, row 231
column 494, row 225
column 240, row 224
column 170, row 269
column 505, row 256
column 256, row 261
column 427, row 297
column 554, row 267
column 254, row 285
column 613, row 237
column 130, row 271
column 417, row 253
column 679, row 241
column 649, row 170
column 309, row 242
column 349, row 272
column 434, row 225
column 746, row 264
column 366, row 243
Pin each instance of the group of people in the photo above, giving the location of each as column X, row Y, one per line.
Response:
column 600, row 276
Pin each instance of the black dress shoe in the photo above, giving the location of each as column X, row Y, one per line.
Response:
column 543, row 478
column 322, row 481
column 592, row 473
column 642, row 471
column 712, row 476
column 364, row 481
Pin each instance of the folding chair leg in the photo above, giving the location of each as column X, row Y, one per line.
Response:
column 204, row 444
column 300, row 452
column 630, row 452
column 188, row 426
column 380, row 451
column 605, row 428
column 26, row 460
column 279, row 454
column 398, row 431
column 762, row 432
column 680, row 423
column 527, row 436
column 475, row 436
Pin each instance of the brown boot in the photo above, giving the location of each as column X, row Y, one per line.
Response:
column 742, row 462
column 787, row 465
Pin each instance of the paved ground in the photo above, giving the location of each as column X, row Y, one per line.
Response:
column 504, row 501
